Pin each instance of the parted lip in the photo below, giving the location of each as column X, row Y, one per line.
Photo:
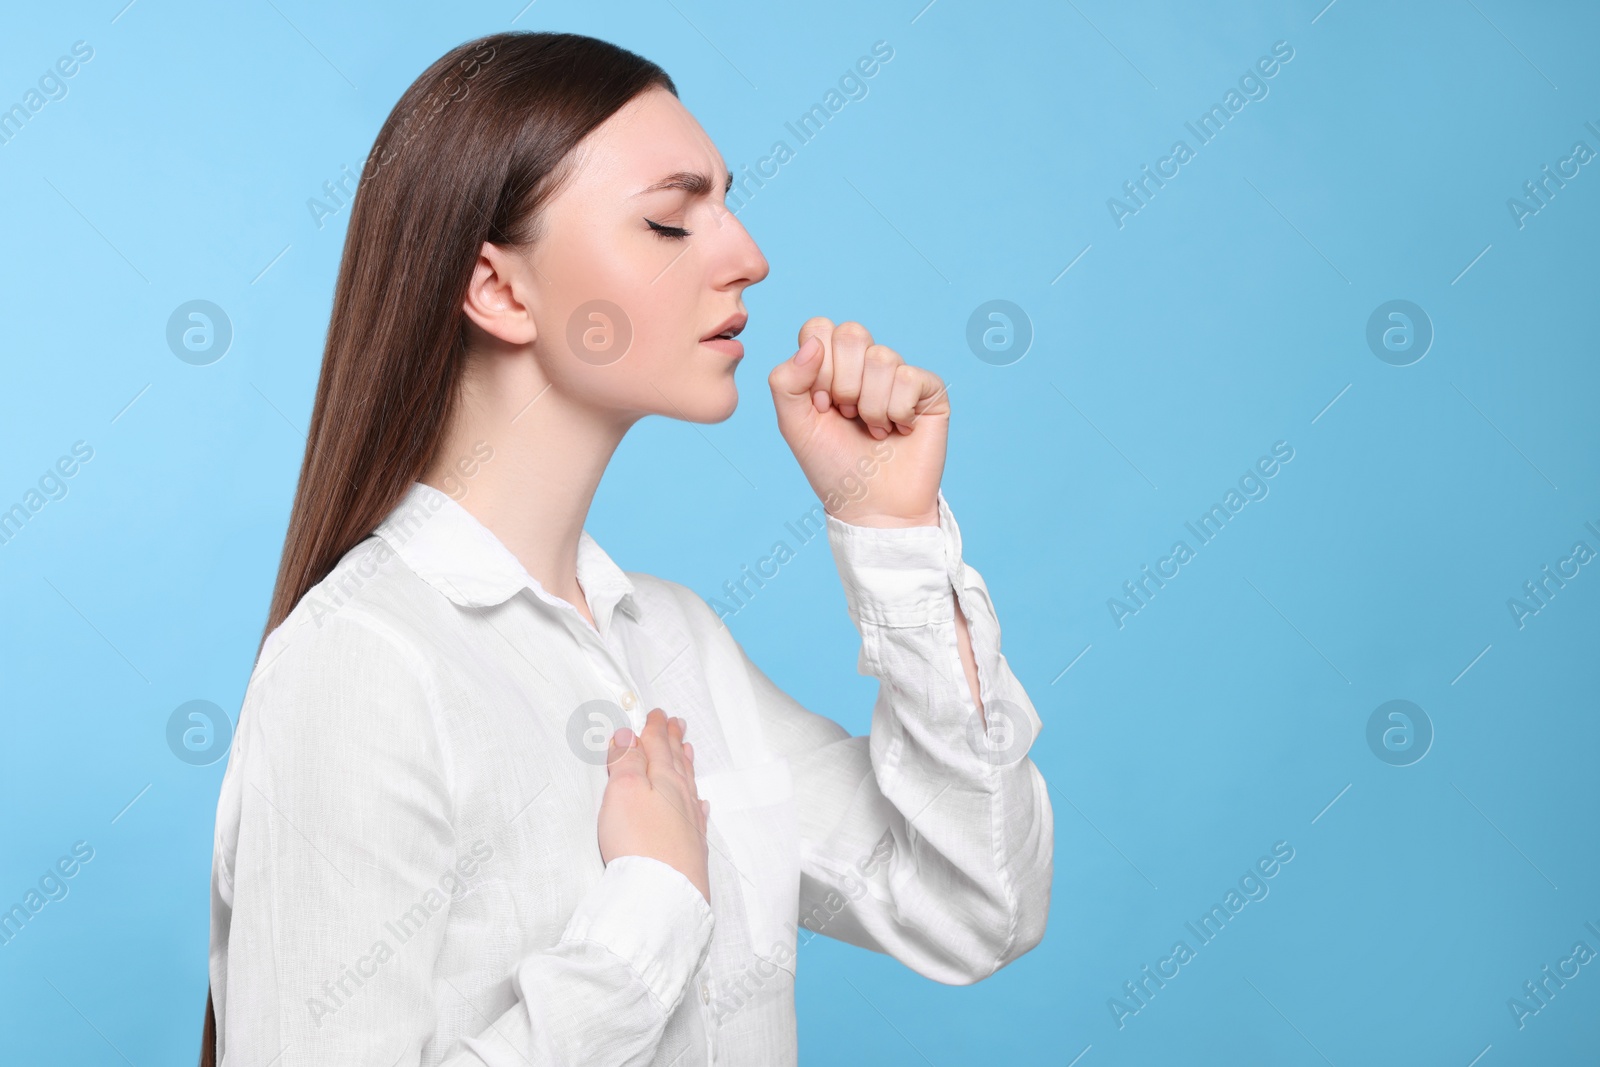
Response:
column 730, row 327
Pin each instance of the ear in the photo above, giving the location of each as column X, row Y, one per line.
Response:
column 499, row 298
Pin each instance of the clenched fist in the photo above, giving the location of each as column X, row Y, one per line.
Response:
column 844, row 404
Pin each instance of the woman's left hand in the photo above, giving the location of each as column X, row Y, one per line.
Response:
column 868, row 429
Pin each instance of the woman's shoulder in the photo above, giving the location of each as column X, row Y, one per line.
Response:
column 340, row 687
column 341, row 680
column 369, row 605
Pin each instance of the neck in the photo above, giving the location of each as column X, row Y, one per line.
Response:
column 546, row 455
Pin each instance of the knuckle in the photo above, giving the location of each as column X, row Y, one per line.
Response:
column 851, row 330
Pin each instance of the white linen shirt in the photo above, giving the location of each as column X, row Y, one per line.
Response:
column 406, row 865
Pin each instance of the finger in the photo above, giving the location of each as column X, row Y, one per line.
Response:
column 793, row 381
column 822, row 329
column 850, row 343
column 877, row 383
column 653, row 740
column 623, row 754
column 675, row 745
column 913, row 386
column 689, row 773
column 695, row 803
column 687, row 750
column 669, row 774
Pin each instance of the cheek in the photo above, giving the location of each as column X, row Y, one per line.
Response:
column 654, row 288
column 594, row 266
column 669, row 311
column 663, row 312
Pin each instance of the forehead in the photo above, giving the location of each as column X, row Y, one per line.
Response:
column 651, row 136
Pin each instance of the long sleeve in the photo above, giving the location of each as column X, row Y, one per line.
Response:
column 337, row 862
column 931, row 838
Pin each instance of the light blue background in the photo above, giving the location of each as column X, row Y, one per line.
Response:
column 1227, row 715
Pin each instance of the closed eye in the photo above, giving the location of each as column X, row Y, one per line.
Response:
column 676, row 233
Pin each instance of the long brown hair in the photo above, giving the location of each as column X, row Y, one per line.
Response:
column 471, row 152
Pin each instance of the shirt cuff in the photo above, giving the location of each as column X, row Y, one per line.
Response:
column 653, row 917
column 899, row 576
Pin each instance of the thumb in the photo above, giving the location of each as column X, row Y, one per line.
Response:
column 624, row 754
column 793, row 379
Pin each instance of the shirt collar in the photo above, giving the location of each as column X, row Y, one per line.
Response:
column 452, row 551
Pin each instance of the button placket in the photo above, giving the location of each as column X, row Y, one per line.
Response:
column 614, row 675
column 630, row 697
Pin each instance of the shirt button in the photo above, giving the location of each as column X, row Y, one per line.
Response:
column 628, row 699
column 705, row 993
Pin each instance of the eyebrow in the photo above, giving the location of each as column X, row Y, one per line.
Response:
column 692, row 182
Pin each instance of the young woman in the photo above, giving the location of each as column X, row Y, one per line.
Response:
column 494, row 800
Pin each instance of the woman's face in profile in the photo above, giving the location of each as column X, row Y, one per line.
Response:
column 637, row 263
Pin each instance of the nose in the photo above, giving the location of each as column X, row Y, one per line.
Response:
column 742, row 263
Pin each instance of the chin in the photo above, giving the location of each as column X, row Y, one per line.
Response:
column 715, row 396
column 698, row 393
column 721, row 404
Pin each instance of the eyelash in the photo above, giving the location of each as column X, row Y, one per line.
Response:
column 675, row 233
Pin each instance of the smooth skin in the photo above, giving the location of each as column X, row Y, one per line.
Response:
column 650, row 806
column 641, row 222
